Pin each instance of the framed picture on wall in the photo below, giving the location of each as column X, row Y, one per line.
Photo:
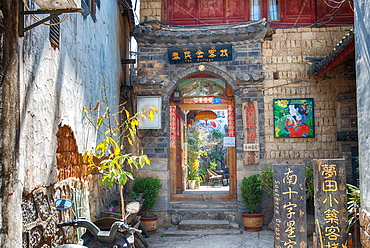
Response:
column 294, row 118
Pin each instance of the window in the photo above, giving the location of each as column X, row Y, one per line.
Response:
column 273, row 10
column 54, row 32
column 255, row 10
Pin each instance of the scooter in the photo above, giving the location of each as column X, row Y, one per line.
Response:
column 119, row 235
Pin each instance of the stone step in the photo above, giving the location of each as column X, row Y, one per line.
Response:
column 202, row 205
column 174, row 231
column 203, row 224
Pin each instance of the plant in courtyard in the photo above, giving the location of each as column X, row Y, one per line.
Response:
column 196, row 149
column 251, row 192
column 149, row 187
column 116, row 127
column 353, row 206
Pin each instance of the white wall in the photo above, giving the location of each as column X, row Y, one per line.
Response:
column 56, row 84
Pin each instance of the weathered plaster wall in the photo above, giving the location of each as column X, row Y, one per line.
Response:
column 55, row 84
column 285, row 69
column 362, row 12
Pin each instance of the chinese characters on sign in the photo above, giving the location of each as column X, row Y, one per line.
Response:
column 331, row 201
column 231, row 120
column 203, row 100
column 172, row 126
column 251, row 132
column 290, row 206
column 206, row 53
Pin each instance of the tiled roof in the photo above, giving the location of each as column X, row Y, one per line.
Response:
column 155, row 32
column 319, row 63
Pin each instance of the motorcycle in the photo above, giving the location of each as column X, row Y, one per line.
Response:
column 118, row 235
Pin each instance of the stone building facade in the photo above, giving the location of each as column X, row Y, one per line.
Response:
column 53, row 72
column 267, row 64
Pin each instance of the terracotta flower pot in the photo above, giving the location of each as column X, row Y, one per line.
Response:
column 252, row 222
column 150, row 223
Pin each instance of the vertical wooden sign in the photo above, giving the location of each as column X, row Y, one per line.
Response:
column 290, row 206
column 251, row 132
column 330, row 202
column 172, row 126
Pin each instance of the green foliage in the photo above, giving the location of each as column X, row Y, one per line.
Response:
column 149, row 187
column 309, row 182
column 353, row 206
column 251, row 192
column 196, row 149
column 109, row 156
column 267, row 180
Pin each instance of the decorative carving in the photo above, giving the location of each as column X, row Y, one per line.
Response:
column 29, row 212
column 35, row 239
column 42, row 205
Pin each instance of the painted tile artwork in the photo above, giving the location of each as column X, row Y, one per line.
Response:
column 294, row 118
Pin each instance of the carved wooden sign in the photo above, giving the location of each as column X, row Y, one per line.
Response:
column 201, row 53
column 290, row 206
column 251, row 132
column 330, row 202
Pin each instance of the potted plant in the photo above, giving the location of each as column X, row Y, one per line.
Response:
column 251, row 193
column 149, row 187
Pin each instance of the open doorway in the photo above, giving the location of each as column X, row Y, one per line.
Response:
column 202, row 165
column 207, row 171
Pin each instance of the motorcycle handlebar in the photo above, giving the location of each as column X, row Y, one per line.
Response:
column 124, row 227
column 71, row 223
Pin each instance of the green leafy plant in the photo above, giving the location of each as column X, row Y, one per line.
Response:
column 196, row 149
column 251, row 192
column 353, row 206
column 117, row 128
column 267, row 180
column 309, row 182
column 149, row 187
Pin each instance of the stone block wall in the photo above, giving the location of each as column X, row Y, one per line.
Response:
column 150, row 10
column 285, row 69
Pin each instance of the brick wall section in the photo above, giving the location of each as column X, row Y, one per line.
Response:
column 150, row 10
column 286, row 77
column 69, row 160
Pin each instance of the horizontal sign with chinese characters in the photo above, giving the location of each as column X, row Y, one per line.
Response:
column 251, row 147
column 204, row 53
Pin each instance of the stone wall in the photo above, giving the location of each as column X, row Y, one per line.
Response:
column 285, row 69
column 150, row 10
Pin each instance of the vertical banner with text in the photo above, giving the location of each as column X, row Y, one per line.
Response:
column 290, row 206
column 251, row 133
column 330, row 202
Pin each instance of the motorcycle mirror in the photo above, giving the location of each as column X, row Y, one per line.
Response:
column 133, row 207
column 62, row 204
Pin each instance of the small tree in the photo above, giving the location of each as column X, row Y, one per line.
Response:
column 109, row 156
column 251, row 192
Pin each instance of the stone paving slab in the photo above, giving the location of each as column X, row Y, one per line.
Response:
column 220, row 239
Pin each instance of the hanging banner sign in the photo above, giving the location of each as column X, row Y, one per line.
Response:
column 251, row 132
column 331, row 202
column 290, row 206
column 204, row 53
